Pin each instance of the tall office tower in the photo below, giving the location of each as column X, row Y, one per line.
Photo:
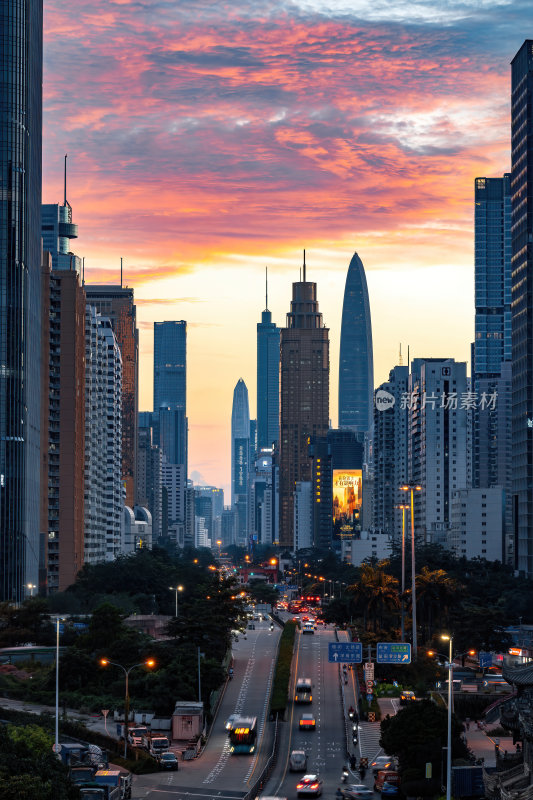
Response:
column 116, row 303
column 57, row 230
column 437, row 444
column 189, row 515
column 240, row 457
column 356, row 363
column 20, row 297
column 174, row 482
column 491, row 350
column 260, row 500
column 104, row 491
column 149, row 475
column 46, row 270
column 521, row 303
column 253, row 440
column 216, row 495
column 304, row 411
column 303, row 515
column 267, row 379
column 228, row 526
column 170, row 365
column 391, row 430
column 170, row 433
column 65, row 364
column 203, row 507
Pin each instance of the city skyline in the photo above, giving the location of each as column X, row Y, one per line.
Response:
column 394, row 90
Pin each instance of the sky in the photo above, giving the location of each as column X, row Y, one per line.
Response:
column 208, row 139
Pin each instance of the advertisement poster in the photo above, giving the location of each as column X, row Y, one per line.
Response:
column 347, row 494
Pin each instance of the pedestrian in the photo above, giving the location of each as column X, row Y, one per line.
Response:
column 467, row 725
column 353, row 762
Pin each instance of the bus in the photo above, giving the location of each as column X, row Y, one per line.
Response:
column 243, row 735
column 303, row 692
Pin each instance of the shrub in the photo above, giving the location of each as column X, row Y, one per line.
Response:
column 282, row 675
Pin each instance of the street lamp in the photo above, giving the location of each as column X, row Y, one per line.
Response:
column 176, row 589
column 104, row 662
column 449, row 639
column 412, row 487
column 56, row 746
column 404, row 508
column 219, row 545
column 31, row 587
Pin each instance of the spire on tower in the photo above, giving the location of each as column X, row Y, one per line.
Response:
column 400, row 362
column 266, row 288
column 304, row 266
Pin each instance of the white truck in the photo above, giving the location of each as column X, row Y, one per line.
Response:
column 156, row 745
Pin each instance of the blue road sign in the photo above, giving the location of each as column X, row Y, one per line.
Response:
column 345, row 652
column 369, row 697
column 485, row 660
column 393, row 653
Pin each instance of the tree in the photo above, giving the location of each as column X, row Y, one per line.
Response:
column 263, row 592
column 417, row 734
column 376, row 593
column 435, row 592
column 29, row 775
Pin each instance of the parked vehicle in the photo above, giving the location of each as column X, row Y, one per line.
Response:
column 82, row 774
column 168, row 761
column 158, row 746
column 95, row 791
column 135, row 735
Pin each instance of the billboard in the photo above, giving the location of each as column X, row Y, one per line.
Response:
column 347, row 495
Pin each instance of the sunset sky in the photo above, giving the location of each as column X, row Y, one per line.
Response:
column 207, row 140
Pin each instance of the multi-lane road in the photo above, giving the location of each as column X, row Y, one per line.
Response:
column 218, row 775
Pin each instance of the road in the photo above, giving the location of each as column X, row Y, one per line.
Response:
column 216, row 773
column 325, row 747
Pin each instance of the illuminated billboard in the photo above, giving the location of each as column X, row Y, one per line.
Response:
column 347, row 495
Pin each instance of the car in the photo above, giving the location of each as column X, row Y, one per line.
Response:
column 407, row 697
column 265, row 618
column 168, row 761
column 309, row 784
column 297, row 761
column 389, row 790
column 307, row 722
column 230, row 720
column 356, row 791
column 382, row 763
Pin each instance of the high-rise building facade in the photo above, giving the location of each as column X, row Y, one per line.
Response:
column 304, row 409
column 521, row 302
column 356, row 363
column 117, row 304
column 491, row 351
column 170, row 365
column 437, row 443
column 267, row 380
column 66, row 429
column 104, row 490
column 240, row 458
column 57, row 230
column 20, row 296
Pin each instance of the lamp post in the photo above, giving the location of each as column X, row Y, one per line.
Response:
column 176, row 589
column 413, row 487
column 104, row 662
column 449, row 639
column 31, row 587
column 404, row 508
column 56, row 747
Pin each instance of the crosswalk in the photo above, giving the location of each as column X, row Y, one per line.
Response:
column 369, row 734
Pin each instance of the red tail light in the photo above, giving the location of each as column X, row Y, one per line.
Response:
column 314, row 786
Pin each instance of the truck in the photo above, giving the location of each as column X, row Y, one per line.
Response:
column 82, row 774
column 135, row 735
column 95, row 791
column 155, row 745
column 110, row 778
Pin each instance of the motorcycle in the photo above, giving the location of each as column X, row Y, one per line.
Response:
column 344, row 776
column 351, row 713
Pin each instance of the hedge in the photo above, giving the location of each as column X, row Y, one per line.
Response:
column 282, row 675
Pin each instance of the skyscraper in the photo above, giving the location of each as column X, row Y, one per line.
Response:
column 491, row 351
column 304, row 412
column 521, row 303
column 267, row 380
column 240, row 457
column 116, row 303
column 170, row 365
column 20, row 295
column 57, row 230
column 356, row 363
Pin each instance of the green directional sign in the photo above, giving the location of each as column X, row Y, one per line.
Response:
column 393, row 653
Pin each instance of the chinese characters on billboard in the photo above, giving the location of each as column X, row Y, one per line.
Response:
column 347, row 495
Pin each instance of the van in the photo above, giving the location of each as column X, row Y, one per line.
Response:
column 388, row 776
column 297, row 761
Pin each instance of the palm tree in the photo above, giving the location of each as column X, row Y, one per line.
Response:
column 435, row 592
column 376, row 592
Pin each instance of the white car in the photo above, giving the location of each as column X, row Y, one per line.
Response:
column 309, row 785
column 356, row 791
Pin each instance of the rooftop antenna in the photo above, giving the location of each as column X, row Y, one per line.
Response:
column 266, row 288
column 121, row 272
column 65, row 182
column 83, row 271
column 304, row 266
column 408, row 362
column 401, row 360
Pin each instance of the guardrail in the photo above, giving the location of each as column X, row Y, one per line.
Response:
column 269, row 766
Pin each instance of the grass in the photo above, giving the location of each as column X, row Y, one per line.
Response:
column 282, row 674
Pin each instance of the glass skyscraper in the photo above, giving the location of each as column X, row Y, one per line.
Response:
column 170, row 365
column 356, row 363
column 20, row 294
column 493, row 274
column 521, row 302
column 267, row 381
column 240, row 441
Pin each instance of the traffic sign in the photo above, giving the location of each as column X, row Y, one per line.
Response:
column 393, row 653
column 485, row 660
column 369, row 697
column 345, row 652
column 57, row 748
column 369, row 671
